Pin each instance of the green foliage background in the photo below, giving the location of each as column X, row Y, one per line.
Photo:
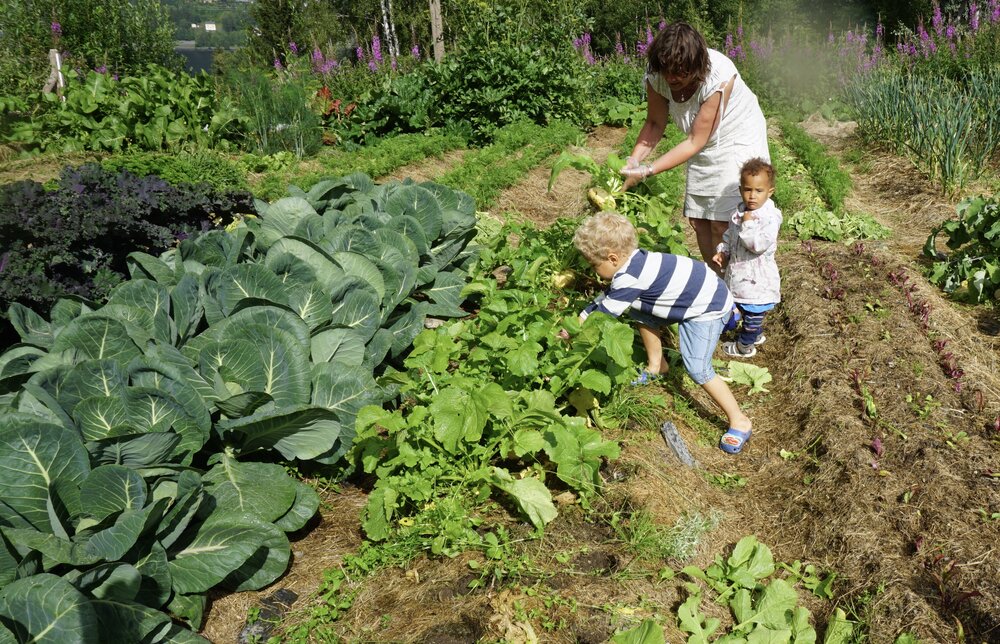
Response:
column 122, row 35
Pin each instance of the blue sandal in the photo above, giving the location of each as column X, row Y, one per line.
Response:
column 734, row 440
column 645, row 378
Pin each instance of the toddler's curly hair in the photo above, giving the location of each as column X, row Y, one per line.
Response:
column 755, row 166
column 605, row 233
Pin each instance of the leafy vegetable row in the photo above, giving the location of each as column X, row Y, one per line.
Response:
column 130, row 433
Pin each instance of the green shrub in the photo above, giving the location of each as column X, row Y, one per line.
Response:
column 202, row 166
column 492, row 87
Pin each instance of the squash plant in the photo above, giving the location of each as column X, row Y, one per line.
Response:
column 135, row 436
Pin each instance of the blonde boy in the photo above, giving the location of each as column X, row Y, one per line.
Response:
column 660, row 289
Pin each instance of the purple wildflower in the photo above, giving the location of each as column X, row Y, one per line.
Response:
column 973, row 17
column 950, row 32
column 377, row 49
column 415, row 51
column 994, row 11
column 3, row 261
column 101, row 69
column 662, row 25
column 372, row 66
column 317, row 56
column 292, row 47
column 392, row 63
column 619, row 48
column 937, row 20
column 359, row 54
column 277, row 64
column 56, row 29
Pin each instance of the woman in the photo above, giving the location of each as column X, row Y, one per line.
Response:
column 700, row 89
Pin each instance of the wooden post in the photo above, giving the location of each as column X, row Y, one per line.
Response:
column 55, row 80
column 437, row 30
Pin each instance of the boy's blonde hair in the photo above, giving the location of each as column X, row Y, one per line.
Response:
column 605, row 233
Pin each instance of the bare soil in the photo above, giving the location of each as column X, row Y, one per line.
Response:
column 873, row 455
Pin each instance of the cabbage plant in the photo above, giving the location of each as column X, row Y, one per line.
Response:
column 138, row 437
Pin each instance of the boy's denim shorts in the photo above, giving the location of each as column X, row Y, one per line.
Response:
column 697, row 342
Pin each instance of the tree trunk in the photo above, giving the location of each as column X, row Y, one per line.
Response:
column 394, row 41
column 437, row 30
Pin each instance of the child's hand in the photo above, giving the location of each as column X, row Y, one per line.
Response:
column 719, row 259
column 563, row 334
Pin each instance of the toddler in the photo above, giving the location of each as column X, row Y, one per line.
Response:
column 660, row 289
column 747, row 253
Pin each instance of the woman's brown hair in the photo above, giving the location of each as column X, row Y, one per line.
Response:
column 679, row 49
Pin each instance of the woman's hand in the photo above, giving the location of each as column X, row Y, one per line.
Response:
column 635, row 174
column 720, row 259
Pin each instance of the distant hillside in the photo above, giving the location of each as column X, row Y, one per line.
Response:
column 226, row 21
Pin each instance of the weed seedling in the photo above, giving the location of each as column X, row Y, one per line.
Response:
column 988, row 516
column 922, row 407
column 726, row 481
column 954, row 440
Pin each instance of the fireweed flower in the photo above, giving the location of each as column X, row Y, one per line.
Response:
column 937, row 20
column 994, row 11
column 359, row 54
column 277, row 65
column 372, row 66
column 292, row 47
column 377, row 49
column 619, row 48
column 56, row 29
column 973, row 17
column 102, row 69
column 415, row 51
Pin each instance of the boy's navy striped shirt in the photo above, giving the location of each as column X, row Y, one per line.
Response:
column 667, row 286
